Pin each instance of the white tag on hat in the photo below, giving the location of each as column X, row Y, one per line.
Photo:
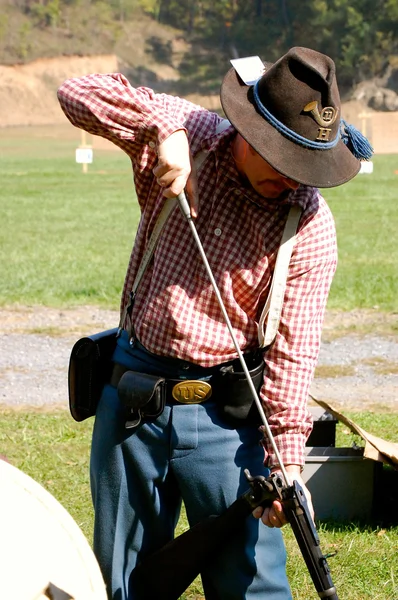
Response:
column 249, row 69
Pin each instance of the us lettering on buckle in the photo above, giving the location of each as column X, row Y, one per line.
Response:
column 191, row 391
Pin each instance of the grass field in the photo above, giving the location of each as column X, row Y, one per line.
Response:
column 66, row 235
column 65, row 239
column 54, row 450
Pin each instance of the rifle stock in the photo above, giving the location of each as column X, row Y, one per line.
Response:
column 168, row 572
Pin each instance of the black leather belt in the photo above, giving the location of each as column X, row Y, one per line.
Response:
column 183, row 391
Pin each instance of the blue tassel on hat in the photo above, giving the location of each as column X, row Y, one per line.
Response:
column 356, row 142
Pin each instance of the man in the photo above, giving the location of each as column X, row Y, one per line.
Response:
column 284, row 140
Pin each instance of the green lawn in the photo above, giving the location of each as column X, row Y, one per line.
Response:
column 54, row 450
column 366, row 220
column 66, row 235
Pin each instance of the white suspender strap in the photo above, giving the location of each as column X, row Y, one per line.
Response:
column 273, row 306
column 168, row 207
column 222, row 126
column 201, row 155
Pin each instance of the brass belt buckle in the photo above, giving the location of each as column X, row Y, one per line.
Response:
column 191, row 391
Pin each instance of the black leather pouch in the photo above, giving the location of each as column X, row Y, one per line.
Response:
column 142, row 395
column 236, row 404
column 90, row 367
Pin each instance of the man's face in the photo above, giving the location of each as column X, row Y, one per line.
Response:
column 261, row 176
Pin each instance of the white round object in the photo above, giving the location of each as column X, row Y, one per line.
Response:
column 43, row 552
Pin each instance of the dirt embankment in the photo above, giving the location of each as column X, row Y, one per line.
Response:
column 28, row 92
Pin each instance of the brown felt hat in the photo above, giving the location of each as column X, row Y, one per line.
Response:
column 291, row 117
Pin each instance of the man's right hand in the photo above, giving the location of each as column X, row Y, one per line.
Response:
column 175, row 171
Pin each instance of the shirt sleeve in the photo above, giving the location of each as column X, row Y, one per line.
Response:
column 107, row 105
column 291, row 361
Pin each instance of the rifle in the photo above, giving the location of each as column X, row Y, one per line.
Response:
column 168, row 572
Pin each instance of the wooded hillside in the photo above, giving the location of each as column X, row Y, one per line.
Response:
column 361, row 35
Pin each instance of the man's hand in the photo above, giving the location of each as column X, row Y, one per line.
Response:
column 174, row 171
column 274, row 516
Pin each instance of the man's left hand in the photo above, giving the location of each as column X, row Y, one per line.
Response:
column 273, row 516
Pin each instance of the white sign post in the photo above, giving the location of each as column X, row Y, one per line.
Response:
column 84, row 153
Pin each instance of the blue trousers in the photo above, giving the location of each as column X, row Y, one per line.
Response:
column 140, row 477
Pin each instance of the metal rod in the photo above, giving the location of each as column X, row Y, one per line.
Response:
column 185, row 208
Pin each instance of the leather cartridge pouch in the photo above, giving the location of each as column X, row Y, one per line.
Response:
column 236, row 403
column 90, row 367
column 142, row 395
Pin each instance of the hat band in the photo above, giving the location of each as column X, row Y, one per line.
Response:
column 289, row 133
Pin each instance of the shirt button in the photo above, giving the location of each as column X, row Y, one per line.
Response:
column 151, row 144
column 217, row 232
column 238, row 192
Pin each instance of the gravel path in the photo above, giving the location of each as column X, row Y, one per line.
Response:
column 373, row 365
column 35, row 345
column 354, row 370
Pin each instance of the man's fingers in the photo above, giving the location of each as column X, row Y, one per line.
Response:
column 192, row 191
column 175, row 170
column 174, row 166
column 273, row 519
column 174, row 182
column 258, row 512
column 177, row 186
column 166, row 177
column 272, row 516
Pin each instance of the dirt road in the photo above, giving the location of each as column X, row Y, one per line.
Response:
column 357, row 369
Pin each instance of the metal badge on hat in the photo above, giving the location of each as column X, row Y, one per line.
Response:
column 324, row 119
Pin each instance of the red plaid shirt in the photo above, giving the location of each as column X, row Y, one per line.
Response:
column 176, row 312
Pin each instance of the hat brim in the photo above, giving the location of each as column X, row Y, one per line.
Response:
column 318, row 168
